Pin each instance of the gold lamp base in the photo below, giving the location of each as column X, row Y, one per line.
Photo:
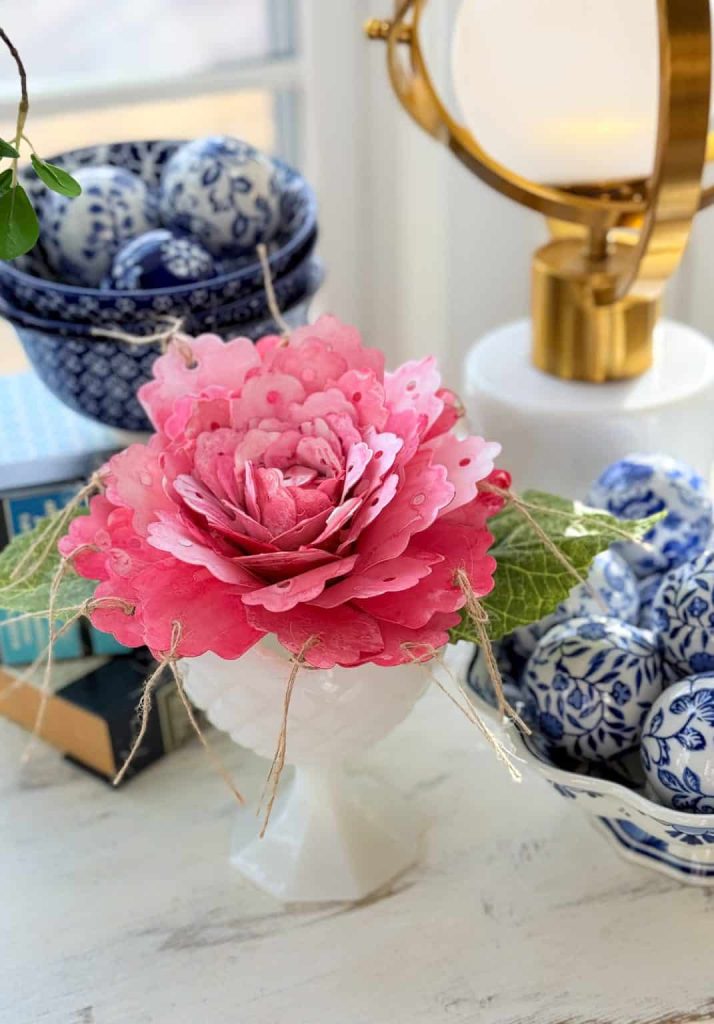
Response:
column 577, row 333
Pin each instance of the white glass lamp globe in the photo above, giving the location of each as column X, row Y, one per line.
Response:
column 560, row 91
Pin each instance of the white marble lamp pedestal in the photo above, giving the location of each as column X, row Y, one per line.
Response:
column 558, row 435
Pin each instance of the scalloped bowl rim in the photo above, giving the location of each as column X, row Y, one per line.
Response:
column 302, row 236
column 591, row 783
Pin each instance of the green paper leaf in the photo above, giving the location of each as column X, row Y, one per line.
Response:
column 19, row 227
column 32, row 594
column 5, row 180
column 8, row 150
column 56, row 178
column 530, row 581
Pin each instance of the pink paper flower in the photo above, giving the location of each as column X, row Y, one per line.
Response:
column 295, row 489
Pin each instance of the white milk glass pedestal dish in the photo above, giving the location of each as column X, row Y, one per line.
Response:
column 558, row 435
column 332, row 835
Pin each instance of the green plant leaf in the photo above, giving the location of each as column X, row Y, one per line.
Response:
column 19, row 227
column 5, row 180
column 30, row 590
column 56, row 178
column 530, row 581
column 8, row 150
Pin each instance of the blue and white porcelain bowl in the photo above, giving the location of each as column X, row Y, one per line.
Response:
column 223, row 192
column 26, row 283
column 678, row 745
column 612, row 796
column 100, row 377
column 643, row 485
column 160, row 259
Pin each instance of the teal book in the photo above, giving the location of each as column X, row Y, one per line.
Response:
column 46, row 454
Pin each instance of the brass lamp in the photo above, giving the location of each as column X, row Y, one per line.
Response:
column 595, row 113
column 596, row 286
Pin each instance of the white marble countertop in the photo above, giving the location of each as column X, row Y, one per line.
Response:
column 120, row 907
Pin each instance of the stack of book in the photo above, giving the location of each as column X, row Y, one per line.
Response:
column 48, row 453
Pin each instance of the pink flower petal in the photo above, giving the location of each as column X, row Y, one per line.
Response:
column 366, row 393
column 282, row 596
column 271, row 395
column 340, row 636
column 449, row 416
column 399, row 574
column 281, row 565
column 423, row 494
column 358, row 458
column 211, row 614
column 402, row 645
column 214, row 362
column 467, row 462
column 373, row 506
column 177, row 539
column 413, row 386
column 135, row 481
column 235, row 525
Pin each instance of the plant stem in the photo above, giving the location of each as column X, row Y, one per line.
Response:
column 24, row 104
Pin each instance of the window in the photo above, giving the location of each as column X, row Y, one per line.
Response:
column 102, row 72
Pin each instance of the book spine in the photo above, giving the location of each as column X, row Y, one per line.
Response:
column 22, row 642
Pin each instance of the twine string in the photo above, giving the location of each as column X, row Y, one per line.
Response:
column 467, row 709
column 278, row 764
column 273, row 306
column 163, row 337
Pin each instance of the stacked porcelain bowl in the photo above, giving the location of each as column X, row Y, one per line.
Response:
column 163, row 231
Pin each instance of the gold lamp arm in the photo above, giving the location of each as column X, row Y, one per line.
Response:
column 674, row 192
column 412, row 82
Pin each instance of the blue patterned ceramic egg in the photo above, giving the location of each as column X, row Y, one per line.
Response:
column 160, row 259
column 223, row 192
column 610, row 590
column 678, row 745
column 82, row 235
column 683, row 615
column 594, row 680
column 642, row 485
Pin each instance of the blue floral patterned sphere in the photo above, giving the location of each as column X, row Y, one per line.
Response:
column 82, row 235
column 678, row 745
column 642, row 485
column 683, row 615
column 610, row 590
column 160, row 259
column 223, row 192
column 594, row 680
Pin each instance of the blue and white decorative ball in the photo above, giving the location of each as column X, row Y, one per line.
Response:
column 642, row 485
column 610, row 590
column 683, row 615
column 678, row 745
column 594, row 680
column 160, row 259
column 82, row 235
column 223, row 192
